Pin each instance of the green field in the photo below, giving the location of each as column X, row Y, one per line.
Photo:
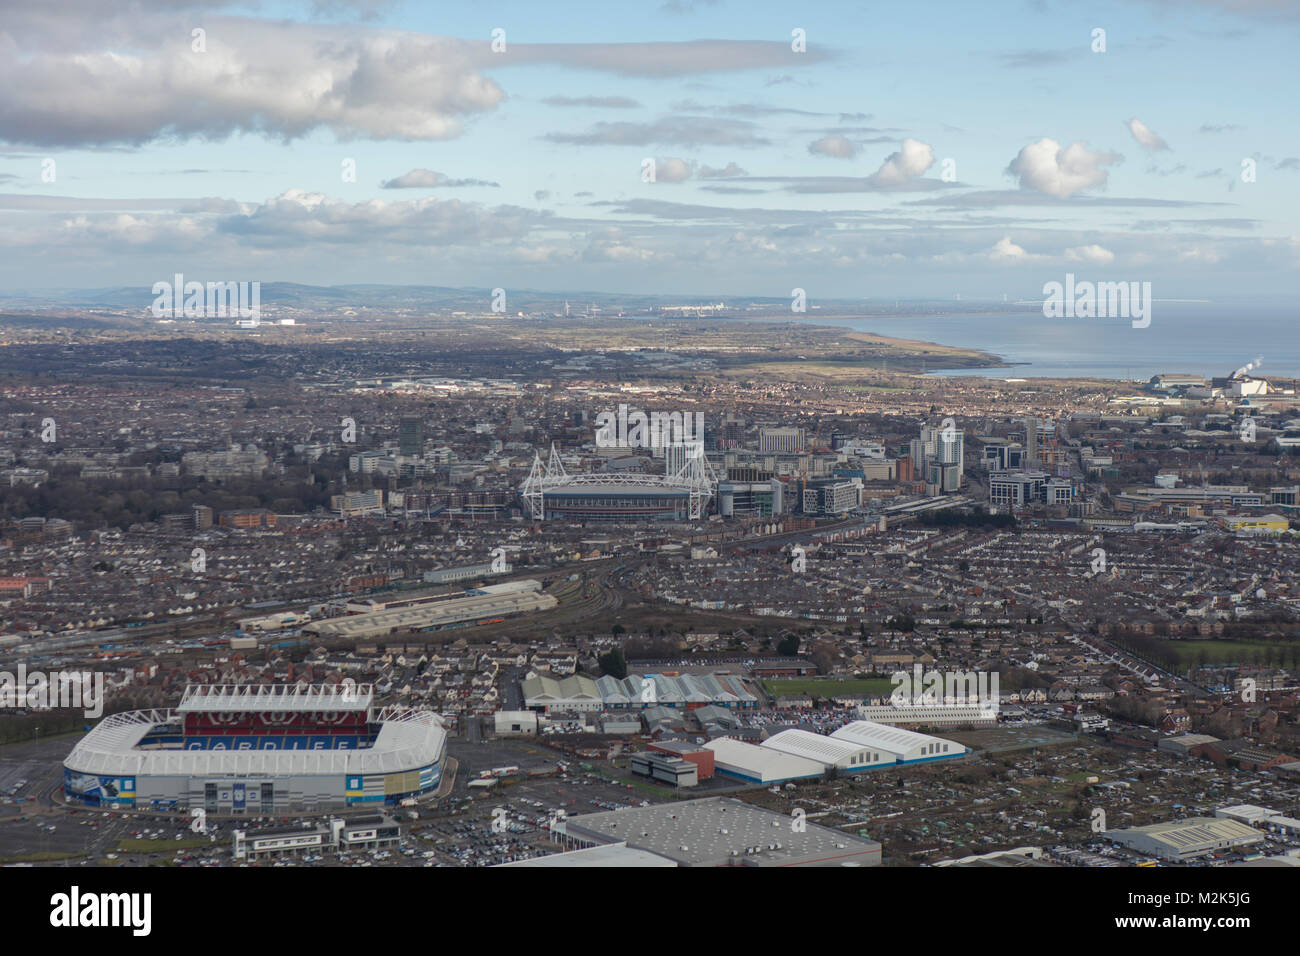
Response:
column 873, row 686
column 1230, row 652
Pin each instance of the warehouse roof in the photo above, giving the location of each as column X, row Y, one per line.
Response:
column 614, row 854
column 578, row 687
column 895, row 740
column 433, row 614
column 801, row 743
column 719, row 831
column 1192, row 836
column 762, row 763
column 1246, row 813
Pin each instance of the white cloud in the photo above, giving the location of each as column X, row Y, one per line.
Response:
column 673, row 170
column 1091, row 253
column 611, row 245
column 837, row 147
column 429, row 179
column 1004, row 250
column 1046, row 167
column 913, row 159
column 1201, row 254
column 1144, row 135
column 298, row 215
column 259, row 76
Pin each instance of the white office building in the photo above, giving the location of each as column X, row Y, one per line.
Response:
column 783, row 440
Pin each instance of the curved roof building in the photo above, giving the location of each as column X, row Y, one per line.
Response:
column 259, row 749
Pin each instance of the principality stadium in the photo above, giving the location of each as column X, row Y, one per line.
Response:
column 259, row 749
column 551, row 493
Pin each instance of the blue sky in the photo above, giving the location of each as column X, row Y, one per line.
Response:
column 912, row 150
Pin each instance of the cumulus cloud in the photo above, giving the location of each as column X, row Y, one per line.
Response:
column 1004, row 250
column 1091, row 253
column 298, row 215
column 612, row 245
column 429, row 179
column 1046, row 167
column 913, row 159
column 672, row 170
column 257, row 76
column 1202, row 255
column 835, row 146
column 92, row 76
column 1144, row 135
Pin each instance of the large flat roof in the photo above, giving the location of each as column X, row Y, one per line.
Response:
column 438, row 612
column 615, row 854
column 718, row 831
column 1192, row 836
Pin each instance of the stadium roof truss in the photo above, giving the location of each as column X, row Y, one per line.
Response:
column 696, row 477
column 278, row 698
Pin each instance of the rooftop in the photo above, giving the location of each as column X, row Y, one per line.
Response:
column 721, row 831
column 309, row 698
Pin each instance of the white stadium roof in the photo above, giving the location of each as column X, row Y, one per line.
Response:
column 408, row 739
column 276, row 698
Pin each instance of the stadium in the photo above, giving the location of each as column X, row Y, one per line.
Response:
column 551, row 493
column 259, row 749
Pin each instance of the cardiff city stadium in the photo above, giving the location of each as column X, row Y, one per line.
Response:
column 259, row 749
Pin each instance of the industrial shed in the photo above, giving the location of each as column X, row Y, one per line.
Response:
column 1186, row 839
column 907, row 746
column 829, row 752
column 577, row 693
column 761, row 764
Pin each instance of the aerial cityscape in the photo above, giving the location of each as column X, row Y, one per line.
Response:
column 478, row 436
